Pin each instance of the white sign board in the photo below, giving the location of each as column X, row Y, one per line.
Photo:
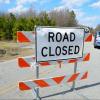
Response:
column 59, row 43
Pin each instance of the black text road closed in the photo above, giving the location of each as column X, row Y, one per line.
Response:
column 59, row 43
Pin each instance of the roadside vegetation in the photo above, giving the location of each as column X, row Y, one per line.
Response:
column 11, row 23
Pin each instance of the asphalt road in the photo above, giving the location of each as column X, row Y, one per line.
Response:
column 11, row 74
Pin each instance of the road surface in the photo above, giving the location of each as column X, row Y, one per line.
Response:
column 11, row 74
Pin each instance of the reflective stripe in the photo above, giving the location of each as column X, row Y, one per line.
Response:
column 31, row 84
column 51, row 82
column 26, row 85
column 41, row 83
column 88, row 37
column 27, row 61
column 25, row 36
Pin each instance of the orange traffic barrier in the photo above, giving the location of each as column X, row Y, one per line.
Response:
column 31, row 84
column 25, row 62
column 29, row 36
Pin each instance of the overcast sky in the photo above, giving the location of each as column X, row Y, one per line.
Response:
column 87, row 11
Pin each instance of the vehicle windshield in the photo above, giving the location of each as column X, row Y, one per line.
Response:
column 98, row 34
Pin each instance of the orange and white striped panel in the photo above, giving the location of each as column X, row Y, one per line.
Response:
column 25, row 62
column 31, row 84
column 88, row 37
column 29, row 36
column 25, row 36
column 86, row 57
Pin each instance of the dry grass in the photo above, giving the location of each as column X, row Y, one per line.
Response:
column 13, row 50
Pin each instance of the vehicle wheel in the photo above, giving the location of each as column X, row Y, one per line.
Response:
column 95, row 46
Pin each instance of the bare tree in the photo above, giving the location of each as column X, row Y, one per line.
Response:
column 63, row 17
column 97, row 27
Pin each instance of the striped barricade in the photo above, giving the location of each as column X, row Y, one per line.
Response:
column 25, row 36
column 25, row 62
column 48, row 82
column 29, row 36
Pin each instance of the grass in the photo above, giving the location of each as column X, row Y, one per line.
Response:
column 13, row 50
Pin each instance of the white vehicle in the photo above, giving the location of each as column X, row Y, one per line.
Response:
column 97, row 39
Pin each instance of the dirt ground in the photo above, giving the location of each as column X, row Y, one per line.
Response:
column 13, row 50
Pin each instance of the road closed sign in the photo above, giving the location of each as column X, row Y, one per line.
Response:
column 54, row 43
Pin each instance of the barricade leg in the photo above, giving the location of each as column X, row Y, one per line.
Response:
column 75, row 70
column 37, row 77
